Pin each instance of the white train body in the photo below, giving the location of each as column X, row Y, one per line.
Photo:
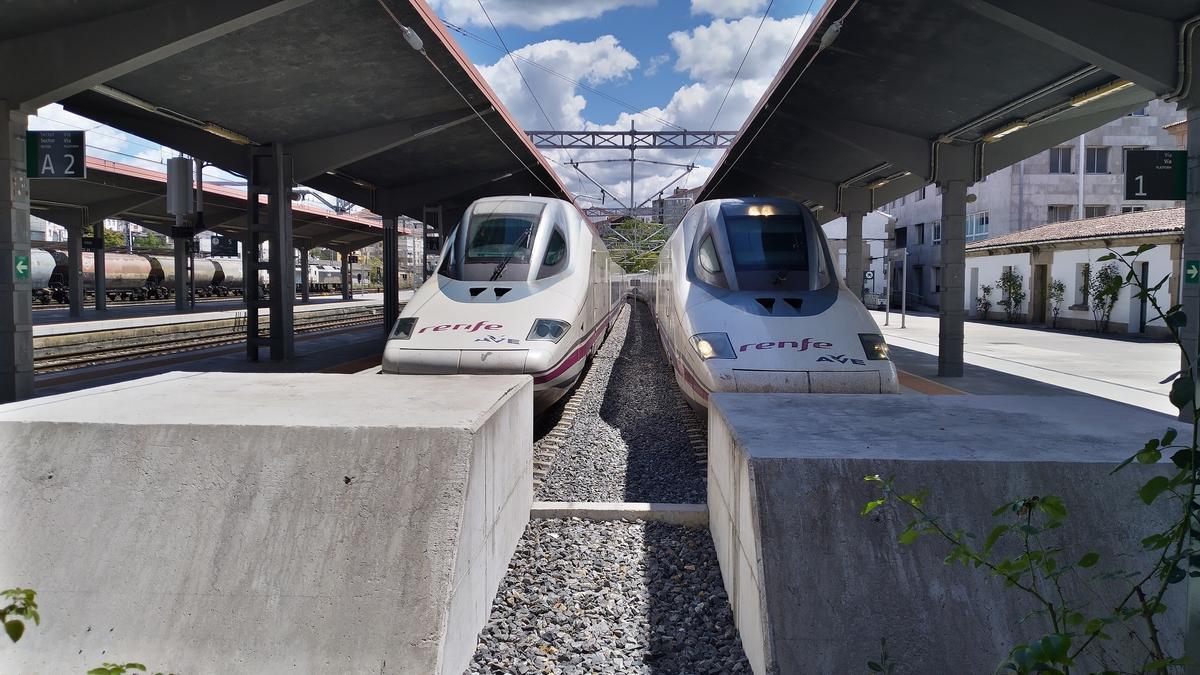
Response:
column 524, row 285
column 747, row 299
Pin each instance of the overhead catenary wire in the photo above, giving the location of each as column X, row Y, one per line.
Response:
column 625, row 104
column 471, row 106
column 762, row 20
column 532, row 93
column 833, row 30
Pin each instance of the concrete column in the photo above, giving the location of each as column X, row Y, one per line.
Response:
column 1190, row 293
column 74, row 268
column 304, row 275
column 854, row 252
column 98, row 268
column 345, row 275
column 16, row 291
column 283, row 274
column 951, row 311
column 181, row 289
column 391, row 273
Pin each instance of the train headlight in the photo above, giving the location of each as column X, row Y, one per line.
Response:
column 404, row 328
column 713, row 346
column 551, row 330
column 874, row 346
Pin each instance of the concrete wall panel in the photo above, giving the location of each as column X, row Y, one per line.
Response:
column 830, row 583
column 263, row 523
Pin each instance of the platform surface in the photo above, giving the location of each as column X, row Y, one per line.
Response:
column 815, row 585
column 224, row 522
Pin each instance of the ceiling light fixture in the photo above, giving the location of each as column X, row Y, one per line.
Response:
column 1100, row 92
column 1001, row 132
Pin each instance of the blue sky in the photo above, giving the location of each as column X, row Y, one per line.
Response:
column 667, row 62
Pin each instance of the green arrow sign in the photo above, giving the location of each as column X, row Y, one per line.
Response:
column 1191, row 272
column 21, row 266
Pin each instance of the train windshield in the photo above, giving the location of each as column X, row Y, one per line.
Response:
column 774, row 252
column 504, row 233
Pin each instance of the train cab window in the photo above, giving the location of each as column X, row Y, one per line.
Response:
column 556, row 255
column 707, row 255
column 495, row 243
column 773, row 253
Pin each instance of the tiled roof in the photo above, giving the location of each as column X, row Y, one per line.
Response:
column 1159, row 221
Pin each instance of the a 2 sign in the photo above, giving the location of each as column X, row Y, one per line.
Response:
column 55, row 154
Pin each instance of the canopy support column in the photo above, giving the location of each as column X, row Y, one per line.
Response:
column 16, row 288
column 391, row 273
column 854, row 252
column 75, row 266
column 304, row 273
column 270, row 175
column 345, row 275
column 98, row 267
column 951, row 312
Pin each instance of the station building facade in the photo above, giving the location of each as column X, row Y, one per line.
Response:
column 1069, row 252
column 1080, row 179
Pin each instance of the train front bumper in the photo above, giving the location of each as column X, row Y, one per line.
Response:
column 454, row 361
column 815, row 381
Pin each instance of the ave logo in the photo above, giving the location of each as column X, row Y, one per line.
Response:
column 842, row 358
column 496, row 339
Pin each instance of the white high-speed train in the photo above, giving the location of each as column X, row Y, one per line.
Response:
column 747, row 299
column 524, row 285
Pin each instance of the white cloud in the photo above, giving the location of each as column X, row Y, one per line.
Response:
column 655, row 62
column 601, row 60
column 713, row 52
column 529, row 14
column 728, row 8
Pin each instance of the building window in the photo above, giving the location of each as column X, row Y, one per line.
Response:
column 936, row 228
column 1081, row 292
column 1097, row 160
column 1060, row 160
column 901, row 237
column 920, row 234
column 1057, row 213
column 921, row 193
column 902, row 200
column 1140, row 112
column 1095, row 210
column 1133, row 208
column 937, row 280
column 977, row 226
column 1125, row 154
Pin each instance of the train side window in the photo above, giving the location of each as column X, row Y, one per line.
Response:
column 556, row 255
column 707, row 255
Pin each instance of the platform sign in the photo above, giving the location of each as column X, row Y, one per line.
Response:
column 55, row 154
column 1156, row 174
column 353, row 259
column 869, row 275
column 21, row 266
column 223, row 246
column 90, row 244
column 1191, row 272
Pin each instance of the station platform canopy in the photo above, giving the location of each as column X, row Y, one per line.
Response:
column 363, row 113
column 882, row 97
column 138, row 195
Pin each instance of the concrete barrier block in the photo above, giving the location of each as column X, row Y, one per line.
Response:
column 227, row 522
column 814, row 585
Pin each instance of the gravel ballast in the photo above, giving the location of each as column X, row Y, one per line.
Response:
column 629, row 441
column 616, row 597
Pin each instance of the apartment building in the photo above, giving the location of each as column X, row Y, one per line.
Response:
column 1083, row 178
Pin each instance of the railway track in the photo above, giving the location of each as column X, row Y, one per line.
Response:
column 37, row 306
column 76, row 350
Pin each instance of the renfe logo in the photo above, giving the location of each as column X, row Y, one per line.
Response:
column 801, row 346
column 485, row 325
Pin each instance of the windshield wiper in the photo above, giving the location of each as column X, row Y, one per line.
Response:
column 511, row 252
